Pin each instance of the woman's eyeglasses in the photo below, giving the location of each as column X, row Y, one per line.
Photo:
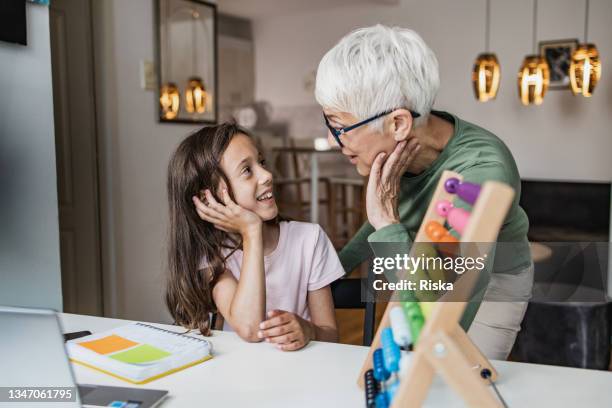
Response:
column 336, row 133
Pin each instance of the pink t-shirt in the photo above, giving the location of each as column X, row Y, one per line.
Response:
column 304, row 260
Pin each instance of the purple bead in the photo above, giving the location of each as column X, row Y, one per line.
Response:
column 468, row 192
column 451, row 185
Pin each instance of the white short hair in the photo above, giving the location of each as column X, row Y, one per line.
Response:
column 378, row 68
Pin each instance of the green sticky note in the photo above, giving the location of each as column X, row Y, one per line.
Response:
column 142, row 354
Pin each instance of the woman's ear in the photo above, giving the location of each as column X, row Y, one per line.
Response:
column 400, row 124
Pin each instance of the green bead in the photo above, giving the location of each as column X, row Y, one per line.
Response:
column 415, row 319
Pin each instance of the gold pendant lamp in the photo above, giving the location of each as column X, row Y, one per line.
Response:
column 169, row 98
column 585, row 68
column 534, row 74
column 486, row 72
column 195, row 92
column 195, row 96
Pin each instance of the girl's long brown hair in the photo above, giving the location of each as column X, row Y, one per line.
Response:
column 195, row 166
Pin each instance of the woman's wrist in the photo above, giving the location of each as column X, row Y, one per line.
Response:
column 378, row 225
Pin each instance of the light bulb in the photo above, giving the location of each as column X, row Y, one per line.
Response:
column 533, row 80
column 585, row 70
column 485, row 77
column 169, row 100
column 195, row 96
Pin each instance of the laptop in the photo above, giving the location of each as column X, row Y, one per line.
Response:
column 32, row 355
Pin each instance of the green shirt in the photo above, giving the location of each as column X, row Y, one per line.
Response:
column 478, row 155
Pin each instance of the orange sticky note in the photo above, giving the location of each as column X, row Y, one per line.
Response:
column 108, row 344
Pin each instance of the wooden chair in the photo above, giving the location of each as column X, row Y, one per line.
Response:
column 346, row 208
column 289, row 183
column 349, row 293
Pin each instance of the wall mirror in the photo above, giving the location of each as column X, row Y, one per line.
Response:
column 187, row 61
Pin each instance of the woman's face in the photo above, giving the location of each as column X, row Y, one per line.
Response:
column 361, row 145
column 250, row 181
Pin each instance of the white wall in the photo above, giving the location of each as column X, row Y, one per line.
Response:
column 567, row 138
column 29, row 223
column 134, row 150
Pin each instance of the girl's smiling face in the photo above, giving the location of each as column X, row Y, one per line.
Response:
column 249, row 179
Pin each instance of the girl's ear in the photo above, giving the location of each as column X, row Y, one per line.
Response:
column 222, row 185
column 400, row 124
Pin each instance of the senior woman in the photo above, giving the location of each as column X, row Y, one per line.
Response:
column 377, row 87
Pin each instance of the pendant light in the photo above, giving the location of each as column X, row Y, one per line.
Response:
column 585, row 68
column 486, row 72
column 169, row 98
column 195, row 93
column 534, row 74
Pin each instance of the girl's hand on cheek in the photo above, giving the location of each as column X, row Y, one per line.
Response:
column 286, row 330
column 227, row 216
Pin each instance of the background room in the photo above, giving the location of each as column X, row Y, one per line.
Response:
column 84, row 206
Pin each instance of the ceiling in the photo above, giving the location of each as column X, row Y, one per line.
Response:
column 253, row 9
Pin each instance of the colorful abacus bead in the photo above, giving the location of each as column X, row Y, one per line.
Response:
column 391, row 351
column 382, row 401
column 468, row 192
column 392, row 390
column 457, row 218
column 401, row 332
column 437, row 233
column 380, row 372
column 415, row 319
column 371, row 388
column 426, row 308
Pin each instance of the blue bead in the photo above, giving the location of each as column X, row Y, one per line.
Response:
column 392, row 390
column 380, row 373
column 382, row 401
column 391, row 351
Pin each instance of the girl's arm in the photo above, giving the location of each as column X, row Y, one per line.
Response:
column 291, row 332
column 241, row 302
column 322, row 315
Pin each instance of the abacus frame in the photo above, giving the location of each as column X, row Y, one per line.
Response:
column 443, row 346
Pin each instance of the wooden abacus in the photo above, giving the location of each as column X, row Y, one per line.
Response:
column 443, row 346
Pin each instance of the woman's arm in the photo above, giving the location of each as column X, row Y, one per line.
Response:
column 357, row 250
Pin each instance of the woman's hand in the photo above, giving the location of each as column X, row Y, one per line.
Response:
column 229, row 217
column 287, row 330
column 384, row 183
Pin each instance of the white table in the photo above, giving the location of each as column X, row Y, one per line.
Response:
column 324, row 375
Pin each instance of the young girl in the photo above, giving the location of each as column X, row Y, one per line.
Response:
column 230, row 253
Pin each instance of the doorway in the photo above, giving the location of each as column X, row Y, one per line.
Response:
column 76, row 155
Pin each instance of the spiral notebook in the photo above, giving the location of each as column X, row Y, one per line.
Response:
column 139, row 352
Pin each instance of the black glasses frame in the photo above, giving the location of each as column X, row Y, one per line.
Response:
column 336, row 133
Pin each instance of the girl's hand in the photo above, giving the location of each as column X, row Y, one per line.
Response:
column 229, row 217
column 384, row 183
column 287, row 330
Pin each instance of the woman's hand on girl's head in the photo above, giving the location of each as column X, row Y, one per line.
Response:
column 287, row 330
column 227, row 216
column 384, row 183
